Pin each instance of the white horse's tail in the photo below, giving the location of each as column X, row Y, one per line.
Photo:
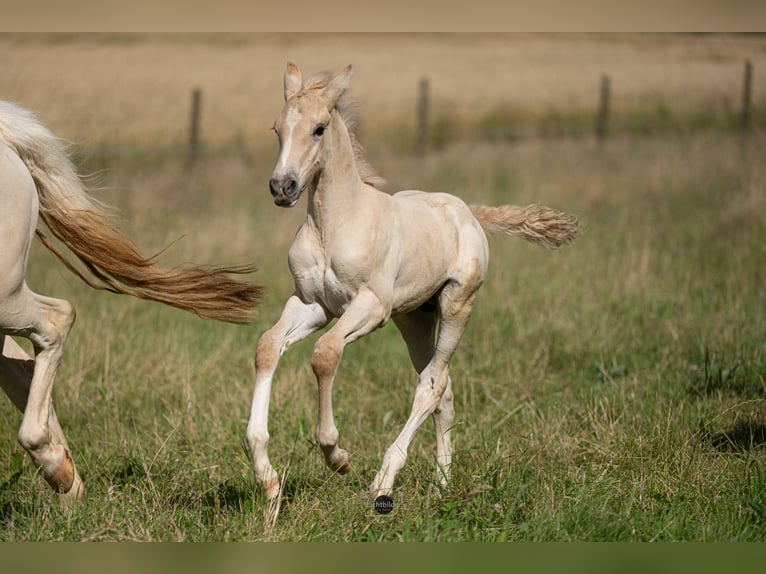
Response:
column 536, row 223
column 87, row 229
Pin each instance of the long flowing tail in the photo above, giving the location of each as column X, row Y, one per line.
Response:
column 536, row 223
column 88, row 230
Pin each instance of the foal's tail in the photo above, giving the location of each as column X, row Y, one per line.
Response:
column 89, row 231
column 535, row 223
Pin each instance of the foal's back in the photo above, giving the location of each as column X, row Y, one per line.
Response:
column 440, row 241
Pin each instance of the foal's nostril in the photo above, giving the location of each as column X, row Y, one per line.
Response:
column 274, row 186
column 289, row 186
column 286, row 186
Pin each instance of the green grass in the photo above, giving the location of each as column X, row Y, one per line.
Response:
column 610, row 391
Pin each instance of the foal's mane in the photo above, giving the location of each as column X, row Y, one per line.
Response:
column 348, row 112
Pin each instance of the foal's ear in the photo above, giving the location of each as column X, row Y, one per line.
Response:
column 293, row 80
column 337, row 86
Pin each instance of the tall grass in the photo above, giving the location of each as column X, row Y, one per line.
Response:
column 613, row 390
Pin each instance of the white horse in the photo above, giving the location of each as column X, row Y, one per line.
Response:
column 37, row 177
column 365, row 257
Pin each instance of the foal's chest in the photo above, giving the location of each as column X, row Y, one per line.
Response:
column 319, row 277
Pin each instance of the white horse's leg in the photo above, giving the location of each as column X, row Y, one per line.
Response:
column 363, row 315
column 46, row 322
column 297, row 322
column 16, row 372
column 43, row 320
column 455, row 303
column 418, row 330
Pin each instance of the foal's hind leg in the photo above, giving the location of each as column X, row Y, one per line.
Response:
column 46, row 322
column 455, row 303
column 444, row 418
column 418, row 330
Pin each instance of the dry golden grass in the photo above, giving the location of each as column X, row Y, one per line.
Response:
column 118, row 89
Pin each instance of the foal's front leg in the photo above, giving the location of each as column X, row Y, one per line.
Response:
column 365, row 314
column 297, row 322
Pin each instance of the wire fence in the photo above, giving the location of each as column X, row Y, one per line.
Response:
column 433, row 130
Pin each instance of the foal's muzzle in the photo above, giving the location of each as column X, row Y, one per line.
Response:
column 285, row 190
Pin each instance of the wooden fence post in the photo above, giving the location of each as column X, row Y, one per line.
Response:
column 194, row 123
column 421, row 136
column 747, row 90
column 602, row 118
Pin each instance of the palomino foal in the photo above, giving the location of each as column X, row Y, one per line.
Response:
column 365, row 257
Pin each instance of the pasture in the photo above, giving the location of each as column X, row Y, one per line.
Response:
column 614, row 390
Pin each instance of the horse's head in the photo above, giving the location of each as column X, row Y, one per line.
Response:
column 301, row 128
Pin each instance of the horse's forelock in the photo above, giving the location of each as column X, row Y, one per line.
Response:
column 346, row 106
column 318, row 81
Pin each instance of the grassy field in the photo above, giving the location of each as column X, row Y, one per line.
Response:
column 613, row 390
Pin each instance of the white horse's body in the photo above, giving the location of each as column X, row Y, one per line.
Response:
column 36, row 177
column 364, row 257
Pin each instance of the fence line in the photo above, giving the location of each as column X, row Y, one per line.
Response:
column 602, row 117
column 421, row 137
column 194, row 123
column 747, row 89
column 602, row 124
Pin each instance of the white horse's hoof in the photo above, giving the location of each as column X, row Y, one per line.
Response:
column 75, row 495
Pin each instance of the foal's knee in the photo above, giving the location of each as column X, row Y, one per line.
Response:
column 266, row 352
column 326, row 356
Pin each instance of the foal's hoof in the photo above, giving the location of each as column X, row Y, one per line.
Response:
column 344, row 468
column 374, row 492
column 272, row 488
column 340, row 465
column 337, row 461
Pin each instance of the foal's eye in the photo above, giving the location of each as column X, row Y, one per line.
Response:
column 319, row 130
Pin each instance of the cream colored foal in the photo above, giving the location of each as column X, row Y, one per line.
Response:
column 365, row 257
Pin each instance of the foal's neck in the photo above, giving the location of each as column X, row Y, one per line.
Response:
column 338, row 184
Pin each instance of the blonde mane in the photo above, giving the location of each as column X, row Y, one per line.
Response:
column 347, row 109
